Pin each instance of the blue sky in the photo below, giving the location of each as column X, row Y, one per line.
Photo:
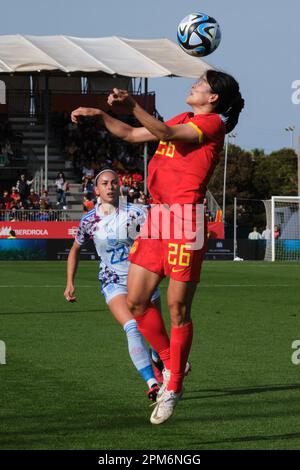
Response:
column 259, row 47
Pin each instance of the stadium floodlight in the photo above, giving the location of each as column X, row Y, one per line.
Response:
column 291, row 129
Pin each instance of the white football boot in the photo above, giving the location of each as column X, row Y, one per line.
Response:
column 165, row 407
column 166, row 375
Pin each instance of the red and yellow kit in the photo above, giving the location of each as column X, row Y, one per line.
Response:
column 179, row 173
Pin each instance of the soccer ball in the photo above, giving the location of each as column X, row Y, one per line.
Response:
column 198, row 34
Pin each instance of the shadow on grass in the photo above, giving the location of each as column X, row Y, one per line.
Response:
column 232, row 440
column 224, row 392
column 60, row 434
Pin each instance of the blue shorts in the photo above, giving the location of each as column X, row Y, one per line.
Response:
column 112, row 290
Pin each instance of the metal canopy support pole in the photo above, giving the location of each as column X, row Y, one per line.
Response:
column 145, row 144
column 234, row 231
column 225, row 175
column 46, row 110
column 145, row 166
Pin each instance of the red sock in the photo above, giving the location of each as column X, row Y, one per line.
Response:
column 180, row 345
column 152, row 327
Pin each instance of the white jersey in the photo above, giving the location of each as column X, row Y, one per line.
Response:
column 113, row 236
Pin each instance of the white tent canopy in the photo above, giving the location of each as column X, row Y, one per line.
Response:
column 114, row 56
column 146, row 58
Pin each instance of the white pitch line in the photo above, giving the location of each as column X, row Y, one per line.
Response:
column 201, row 285
column 47, row 286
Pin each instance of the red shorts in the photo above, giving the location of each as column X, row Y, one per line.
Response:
column 168, row 258
column 169, row 253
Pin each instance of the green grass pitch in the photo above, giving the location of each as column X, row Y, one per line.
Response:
column 69, row 383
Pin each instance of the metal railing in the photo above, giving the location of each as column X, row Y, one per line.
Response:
column 20, row 102
column 38, row 181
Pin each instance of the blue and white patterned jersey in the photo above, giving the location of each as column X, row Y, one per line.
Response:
column 113, row 236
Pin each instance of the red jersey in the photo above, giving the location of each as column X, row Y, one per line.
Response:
column 180, row 171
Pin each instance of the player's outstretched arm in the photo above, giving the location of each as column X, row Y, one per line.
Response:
column 115, row 126
column 159, row 130
column 73, row 260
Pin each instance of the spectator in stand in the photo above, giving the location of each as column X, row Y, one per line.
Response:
column 89, row 188
column 254, row 235
column 33, row 200
column 149, row 199
column 61, row 189
column 23, row 186
column 15, row 196
column 136, row 191
column 7, row 201
column 117, row 165
column 124, row 188
column 45, row 200
column 266, row 235
column 137, row 177
column 130, row 197
column 127, row 179
column 142, row 199
column 71, row 151
column 90, row 141
column 277, row 232
column 87, row 173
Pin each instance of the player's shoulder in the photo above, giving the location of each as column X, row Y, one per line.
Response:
column 179, row 119
column 89, row 216
column 209, row 117
column 210, row 124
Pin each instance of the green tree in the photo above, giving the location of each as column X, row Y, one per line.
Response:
column 254, row 175
column 239, row 181
column 276, row 174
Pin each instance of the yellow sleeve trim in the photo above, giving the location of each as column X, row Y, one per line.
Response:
column 200, row 133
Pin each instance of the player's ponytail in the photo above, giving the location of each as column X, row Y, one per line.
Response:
column 230, row 102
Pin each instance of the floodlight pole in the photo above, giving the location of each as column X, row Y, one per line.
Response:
column 291, row 129
column 227, row 137
column 46, row 108
column 145, row 144
column 225, row 174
